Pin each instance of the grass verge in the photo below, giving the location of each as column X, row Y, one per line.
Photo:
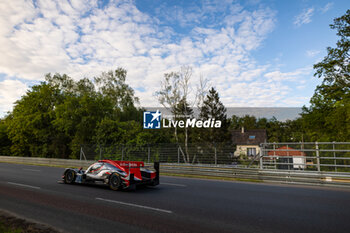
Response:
column 10, row 223
column 7, row 229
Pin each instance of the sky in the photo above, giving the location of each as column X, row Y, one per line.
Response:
column 256, row 53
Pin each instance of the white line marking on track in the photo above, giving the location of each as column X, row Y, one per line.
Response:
column 180, row 185
column 135, row 205
column 32, row 170
column 24, row 185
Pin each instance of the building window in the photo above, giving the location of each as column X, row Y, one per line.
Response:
column 251, row 151
column 252, row 137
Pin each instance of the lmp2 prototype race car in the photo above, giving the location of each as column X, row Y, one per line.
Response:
column 117, row 175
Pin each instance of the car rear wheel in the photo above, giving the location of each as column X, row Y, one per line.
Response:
column 69, row 177
column 115, row 182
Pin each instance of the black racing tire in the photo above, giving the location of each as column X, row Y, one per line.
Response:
column 154, row 182
column 115, row 182
column 69, row 177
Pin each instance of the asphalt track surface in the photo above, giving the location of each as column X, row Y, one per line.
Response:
column 176, row 205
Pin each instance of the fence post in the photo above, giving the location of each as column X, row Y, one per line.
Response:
column 261, row 156
column 335, row 160
column 178, row 154
column 303, row 153
column 274, row 155
column 122, row 152
column 288, row 159
column 149, row 153
column 81, row 155
column 100, row 153
column 318, row 157
column 216, row 157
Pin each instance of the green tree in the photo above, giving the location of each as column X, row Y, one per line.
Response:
column 328, row 117
column 261, row 123
column 5, row 142
column 248, row 122
column 213, row 108
column 54, row 118
column 78, row 117
column 29, row 125
column 113, row 85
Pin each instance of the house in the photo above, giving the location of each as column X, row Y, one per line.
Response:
column 295, row 159
column 248, row 141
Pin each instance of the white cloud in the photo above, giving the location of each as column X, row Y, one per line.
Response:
column 10, row 91
column 79, row 39
column 295, row 101
column 304, row 17
column 327, row 7
column 312, row 53
column 295, row 76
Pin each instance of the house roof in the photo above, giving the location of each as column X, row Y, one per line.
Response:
column 249, row 137
column 286, row 151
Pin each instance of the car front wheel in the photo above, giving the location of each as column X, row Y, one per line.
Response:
column 69, row 177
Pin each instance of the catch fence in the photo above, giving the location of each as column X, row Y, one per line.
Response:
column 310, row 156
column 306, row 156
column 214, row 154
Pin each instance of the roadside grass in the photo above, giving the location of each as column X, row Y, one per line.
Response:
column 4, row 228
column 11, row 223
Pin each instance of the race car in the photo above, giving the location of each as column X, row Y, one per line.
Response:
column 116, row 174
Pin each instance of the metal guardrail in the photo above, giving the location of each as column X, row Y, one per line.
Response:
column 46, row 161
column 214, row 171
column 285, row 176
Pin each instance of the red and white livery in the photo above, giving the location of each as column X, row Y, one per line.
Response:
column 116, row 174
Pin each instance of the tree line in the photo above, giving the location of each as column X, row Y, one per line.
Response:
column 57, row 116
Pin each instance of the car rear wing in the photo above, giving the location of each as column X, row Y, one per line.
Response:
column 155, row 181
